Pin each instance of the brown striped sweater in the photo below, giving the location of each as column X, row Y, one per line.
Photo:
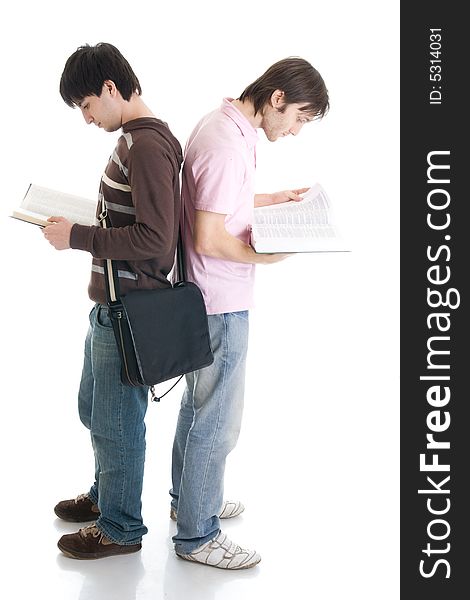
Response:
column 140, row 187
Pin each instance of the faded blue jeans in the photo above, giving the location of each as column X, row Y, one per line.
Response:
column 207, row 430
column 114, row 414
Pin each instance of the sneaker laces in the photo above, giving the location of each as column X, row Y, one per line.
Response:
column 223, row 541
column 80, row 497
column 91, row 530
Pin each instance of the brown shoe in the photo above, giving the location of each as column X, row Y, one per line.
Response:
column 89, row 542
column 79, row 510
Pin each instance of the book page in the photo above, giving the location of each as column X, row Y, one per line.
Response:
column 46, row 202
column 304, row 226
column 30, row 217
column 308, row 230
column 312, row 209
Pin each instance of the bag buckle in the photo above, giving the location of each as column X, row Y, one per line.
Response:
column 116, row 310
column 156, row 398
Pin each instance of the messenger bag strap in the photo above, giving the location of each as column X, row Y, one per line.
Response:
column 110, row 273
column 180, row 258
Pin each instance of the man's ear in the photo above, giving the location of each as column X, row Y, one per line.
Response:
column 109, row 87
column 277, row 99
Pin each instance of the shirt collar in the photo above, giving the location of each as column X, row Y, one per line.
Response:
column 248, row 131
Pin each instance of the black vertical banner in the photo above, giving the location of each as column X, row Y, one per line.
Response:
column 435, row 256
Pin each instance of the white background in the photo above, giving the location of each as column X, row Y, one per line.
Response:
column 317, row 460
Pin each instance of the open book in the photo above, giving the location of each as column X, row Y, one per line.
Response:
column 41, row 203
column 304, row 226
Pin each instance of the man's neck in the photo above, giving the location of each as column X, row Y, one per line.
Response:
column 135, row 108
column 248, row 110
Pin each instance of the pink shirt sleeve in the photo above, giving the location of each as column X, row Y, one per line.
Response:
column 218, row 178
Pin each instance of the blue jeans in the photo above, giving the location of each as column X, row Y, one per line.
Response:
column 207, row 430
column 114, row 414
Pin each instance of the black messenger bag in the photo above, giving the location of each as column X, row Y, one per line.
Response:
column 160, row 333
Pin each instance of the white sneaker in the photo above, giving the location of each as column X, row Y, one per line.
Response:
column 229, row 510
column 223, row 554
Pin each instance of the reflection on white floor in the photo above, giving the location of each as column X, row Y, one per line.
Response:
column 154, row 573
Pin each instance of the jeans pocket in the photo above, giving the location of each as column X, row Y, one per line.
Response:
column 240, row 314
column 102, row 316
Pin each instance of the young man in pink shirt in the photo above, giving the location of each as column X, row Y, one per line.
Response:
column 218, row 195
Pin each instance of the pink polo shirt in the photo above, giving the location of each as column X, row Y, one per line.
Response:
column 218, row 176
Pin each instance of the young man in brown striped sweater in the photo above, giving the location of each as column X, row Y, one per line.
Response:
column 140, row 187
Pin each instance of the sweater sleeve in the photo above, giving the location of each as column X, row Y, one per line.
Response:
column 151, row 174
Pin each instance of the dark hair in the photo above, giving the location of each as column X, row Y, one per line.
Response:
column 89, row 67
column 300, row 82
